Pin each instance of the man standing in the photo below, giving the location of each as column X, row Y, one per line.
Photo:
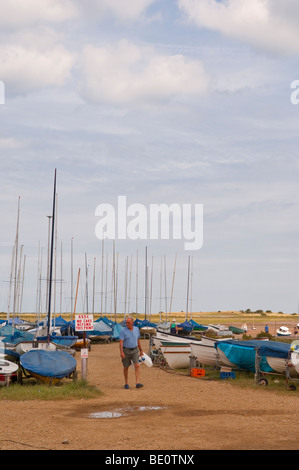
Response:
column 129, row 343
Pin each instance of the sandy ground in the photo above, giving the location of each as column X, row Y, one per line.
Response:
column 180, row 413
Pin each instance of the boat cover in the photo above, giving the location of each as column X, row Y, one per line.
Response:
column 116, row 330
column 187, row 326
column 8, row 352
column 235, row 330
column 198, row 326
column 66, row 341
column 144, row 323
column 56, row 364
column 14, row 336
column 105, row 320
column 100, row 328
column 59, row 321
column 243, row 353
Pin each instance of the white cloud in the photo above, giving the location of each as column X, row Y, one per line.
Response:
column 16, row 13
column 9, row 143
column 126, row 72
column 27, row 69
column 265, row 24
column 124, row 11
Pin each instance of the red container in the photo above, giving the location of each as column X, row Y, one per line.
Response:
column 197, row 372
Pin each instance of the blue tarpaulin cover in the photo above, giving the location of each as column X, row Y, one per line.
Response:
column 105, row 320
column 243, row 353
column 186, row 325
column 66, row 341
column 59, row 321
column 143, row 323
column 100, row 328
column 116, row 330
column 198, row 326
column 9, row 352
column 56, row 364
column 14, row 336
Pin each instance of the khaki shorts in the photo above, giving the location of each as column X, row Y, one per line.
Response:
column 131, row 355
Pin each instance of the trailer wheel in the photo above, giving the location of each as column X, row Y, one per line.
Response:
column 263, row 382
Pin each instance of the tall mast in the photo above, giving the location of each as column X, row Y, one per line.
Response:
column 188, row 287
column 16, row 265
column 86, row 286
column 102, row 278
column 173, row 276
column 136, row 285
column 146, row 273
column 93, row 283
column 51, row 257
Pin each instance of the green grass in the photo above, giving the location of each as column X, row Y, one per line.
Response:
column 246, row 379
column 34, row 390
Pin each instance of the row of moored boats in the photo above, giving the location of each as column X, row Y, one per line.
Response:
column 267, row 356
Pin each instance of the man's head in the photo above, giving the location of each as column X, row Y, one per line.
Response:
column 129, row 323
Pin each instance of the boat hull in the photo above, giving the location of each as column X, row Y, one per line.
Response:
column 281, row 365
column 162, row 336
column 147, row 330
column 204, row 353
column 207, row 355
column 7, row 370
column 177, row 357
column 26, row 346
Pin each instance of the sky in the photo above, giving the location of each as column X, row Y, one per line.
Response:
column 187, row 102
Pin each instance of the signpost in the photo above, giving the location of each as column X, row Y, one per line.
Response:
column 84, row 322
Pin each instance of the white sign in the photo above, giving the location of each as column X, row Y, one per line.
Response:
column 84, row 322
column 84, row 353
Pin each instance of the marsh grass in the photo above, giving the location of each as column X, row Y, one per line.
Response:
column 246, row 380
column 34, row 390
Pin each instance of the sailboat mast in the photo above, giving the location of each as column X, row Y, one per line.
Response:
column 51, row 257
column 16, row 265
column 146, row 274
column 188, row 288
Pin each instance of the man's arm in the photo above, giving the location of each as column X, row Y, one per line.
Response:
column 140, row 347
column 121, row 344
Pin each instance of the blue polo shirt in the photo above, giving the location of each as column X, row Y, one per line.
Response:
column 129, row 337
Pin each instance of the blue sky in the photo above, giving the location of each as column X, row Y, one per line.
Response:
column 162, row 101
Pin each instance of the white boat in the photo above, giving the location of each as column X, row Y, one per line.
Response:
column 295, row 360
column 224, row 361
column 164, row 327
column 242, row 355
column 7, row 369
column 280, row 365
column 295, row 354
column 25, row 346
column 283, row 331
column 212, row 341
column 148, row 330
column 162, row 336
column 178, row 356
column 204, row 353
column 208, row 355
column 220, row 330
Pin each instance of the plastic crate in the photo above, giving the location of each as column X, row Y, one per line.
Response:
column 197, row 372
column 227, row 375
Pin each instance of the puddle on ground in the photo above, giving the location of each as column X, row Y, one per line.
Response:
column 123, row 412
column 105, row 414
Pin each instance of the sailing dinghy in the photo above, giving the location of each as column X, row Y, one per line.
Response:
column 7, row 369
column 48, row 366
